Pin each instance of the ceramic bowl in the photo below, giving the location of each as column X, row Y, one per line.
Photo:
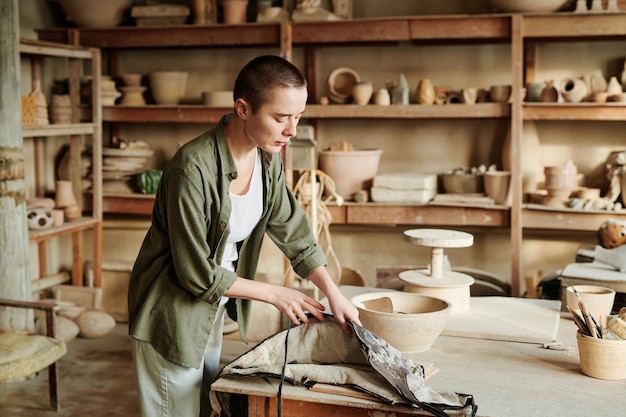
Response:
column 340, row 84
column 168, row 87
column 599, row 300
column 222, row 98
column 407, row 321
column 95, row 13
column 462, row 183
column 500, row 93
column 131, row 79
column 529, row 6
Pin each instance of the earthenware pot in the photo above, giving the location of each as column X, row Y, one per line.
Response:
column 362, row 92
column 168, row 87
column 425, row 93
column 382, row 97
column 550, row 94
column 614, row 87
column 497, row 185
column 95, row 13
column 235, row 11
column 573, row 90
column 351, row 171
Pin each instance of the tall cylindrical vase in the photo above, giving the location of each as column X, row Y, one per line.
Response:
column 531, row 168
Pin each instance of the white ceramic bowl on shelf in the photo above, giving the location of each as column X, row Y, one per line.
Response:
column 529, row 6
column 168, row 87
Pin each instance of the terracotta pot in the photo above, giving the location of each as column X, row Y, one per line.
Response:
column 362, row 92
column 351, row 171
column 235, row 11
column 573, row 90
column 497, row 185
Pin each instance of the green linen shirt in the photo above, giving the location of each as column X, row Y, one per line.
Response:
column 177, row 282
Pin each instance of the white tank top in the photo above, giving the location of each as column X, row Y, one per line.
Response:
column 246, row 213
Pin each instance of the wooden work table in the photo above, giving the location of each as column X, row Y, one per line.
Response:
column 507, row 379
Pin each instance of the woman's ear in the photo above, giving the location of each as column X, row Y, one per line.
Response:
column 242, row 108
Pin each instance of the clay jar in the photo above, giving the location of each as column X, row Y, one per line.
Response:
column 573, row 90
column 550, row 94
column 425, row 93
column 235, row 11
column 382, row 97
column 362, row 92
column 497, row 185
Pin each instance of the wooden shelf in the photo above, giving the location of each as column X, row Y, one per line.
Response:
column 574, row 26
column 203, row 114
column 31, row 131
column 575, row 111
column 179, row 36
column 535, row 216
column 83, row 223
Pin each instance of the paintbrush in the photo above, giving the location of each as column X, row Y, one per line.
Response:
column 593, row 324
column 593, row 329
column 580, row 322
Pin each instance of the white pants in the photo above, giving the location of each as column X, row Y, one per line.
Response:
column 169, row 390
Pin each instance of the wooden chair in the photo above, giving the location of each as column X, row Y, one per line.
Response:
column 24, row 355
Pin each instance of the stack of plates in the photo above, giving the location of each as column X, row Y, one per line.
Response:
column 120, row 166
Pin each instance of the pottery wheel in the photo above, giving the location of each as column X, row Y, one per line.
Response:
column 438, row 239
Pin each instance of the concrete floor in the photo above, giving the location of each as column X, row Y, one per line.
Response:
column 96, row 379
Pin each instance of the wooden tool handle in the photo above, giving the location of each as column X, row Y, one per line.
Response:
column 590, row 324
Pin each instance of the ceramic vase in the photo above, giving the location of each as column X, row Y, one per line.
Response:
column 425, row 93
column 66, row 200
column 362, row 92
column 573, row 90
column 400, row 91
column 531, row 167
column 549, row 94
column 497, row 185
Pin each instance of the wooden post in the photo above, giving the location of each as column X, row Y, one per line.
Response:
column 14, row 279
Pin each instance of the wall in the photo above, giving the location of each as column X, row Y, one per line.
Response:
column 424, row 146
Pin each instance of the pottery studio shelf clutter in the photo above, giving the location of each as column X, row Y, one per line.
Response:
column 522, row 32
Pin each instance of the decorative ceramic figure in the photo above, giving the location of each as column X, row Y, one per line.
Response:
column 41, row 106
column 39, row 218
column 550, row 94
column 362, row 92
column 425, row 93
column 573, row 90
column 469, row 95
column 400, row 91
column 614, row 87
column 382, row 97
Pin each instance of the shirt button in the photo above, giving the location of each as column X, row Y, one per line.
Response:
column 222, row 225
column 233, row 176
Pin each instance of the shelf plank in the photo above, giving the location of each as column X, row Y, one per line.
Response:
column 163, row 114
column 68, row 227
column 139, row 204
column 176, row 36
column 536, row 216
column 411, row 111
column 495, row 28
column 581, row 26
column 351, row 31
column 30, row 131
column 575, row 111
column 432, row 215
column 61, row 50
column 203, row 114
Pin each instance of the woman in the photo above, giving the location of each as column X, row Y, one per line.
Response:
column 219, row 195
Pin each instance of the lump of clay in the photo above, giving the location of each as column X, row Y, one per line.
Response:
column 65, row 329
column 93, row 323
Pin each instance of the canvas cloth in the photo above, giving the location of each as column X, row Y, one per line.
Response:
column 322, row 352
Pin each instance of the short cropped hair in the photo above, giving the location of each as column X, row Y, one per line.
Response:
column 261, row 76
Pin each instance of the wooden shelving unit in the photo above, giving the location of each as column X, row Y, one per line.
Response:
column 522, row 32
column 76, row 134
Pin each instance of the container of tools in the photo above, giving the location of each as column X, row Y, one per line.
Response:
column 602, row 358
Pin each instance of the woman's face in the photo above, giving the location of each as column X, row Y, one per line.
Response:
column 275, row 122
